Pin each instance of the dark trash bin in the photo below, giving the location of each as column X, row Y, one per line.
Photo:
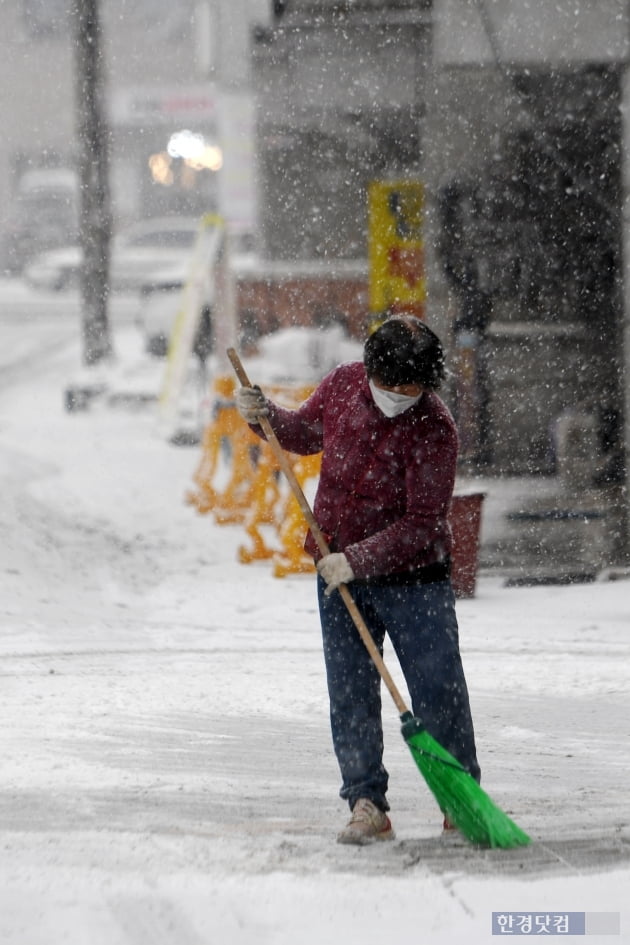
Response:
column 465, row 520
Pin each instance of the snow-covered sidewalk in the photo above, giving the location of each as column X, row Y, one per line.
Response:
column 167, row 774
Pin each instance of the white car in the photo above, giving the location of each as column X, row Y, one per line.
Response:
column 160, row 299
column 179, row 287
column 138, row 254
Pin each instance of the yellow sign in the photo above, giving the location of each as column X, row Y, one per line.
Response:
column 396, row 248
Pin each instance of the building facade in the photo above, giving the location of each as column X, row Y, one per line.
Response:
column 168, row 67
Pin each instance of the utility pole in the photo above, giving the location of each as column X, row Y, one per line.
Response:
column 93, row 152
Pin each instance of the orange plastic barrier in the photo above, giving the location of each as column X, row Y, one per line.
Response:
column 265, row 499
column 219, row 434
column 292, row 559
column 252, row 494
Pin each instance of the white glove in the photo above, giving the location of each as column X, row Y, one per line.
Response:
column 251, row 404
column 335, row 570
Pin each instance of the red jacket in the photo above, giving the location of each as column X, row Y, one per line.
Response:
column 386, row 484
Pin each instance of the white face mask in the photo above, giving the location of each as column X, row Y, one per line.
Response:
column 390, row 403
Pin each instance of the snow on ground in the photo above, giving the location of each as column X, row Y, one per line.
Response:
column 167, row 774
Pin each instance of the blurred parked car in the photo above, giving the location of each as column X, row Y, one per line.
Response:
column 43, row 215
column 160, row 300
column 158, row 317
column 139, row 253
column 163, row 296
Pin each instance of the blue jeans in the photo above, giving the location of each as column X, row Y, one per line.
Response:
column 421, row 623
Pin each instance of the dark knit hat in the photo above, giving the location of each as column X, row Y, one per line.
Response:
column 404, row 351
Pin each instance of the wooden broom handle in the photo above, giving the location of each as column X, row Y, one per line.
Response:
column 317, row 534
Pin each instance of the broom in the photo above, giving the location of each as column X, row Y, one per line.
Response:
column 459, row 796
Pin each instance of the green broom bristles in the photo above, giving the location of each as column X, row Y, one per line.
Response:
column 460, row 797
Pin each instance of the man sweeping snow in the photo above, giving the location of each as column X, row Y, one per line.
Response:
column 388, row 470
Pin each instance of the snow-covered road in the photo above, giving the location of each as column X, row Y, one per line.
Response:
column 167, row 775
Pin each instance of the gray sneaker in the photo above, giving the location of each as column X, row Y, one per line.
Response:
column 366, row 825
